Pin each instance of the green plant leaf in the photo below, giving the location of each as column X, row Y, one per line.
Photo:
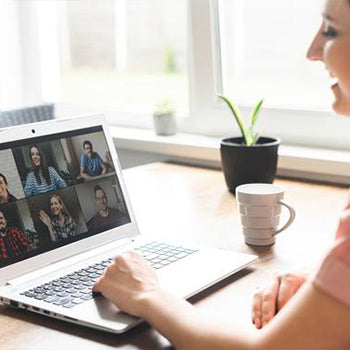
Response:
column 255, row 114
column 256, row 138
column 238, row 116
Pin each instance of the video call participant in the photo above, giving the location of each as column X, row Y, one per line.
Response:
column 106, row 215
column 13, row 242
column 91, row 164
column 5, row 195
column 42, row 178
column 61, row 225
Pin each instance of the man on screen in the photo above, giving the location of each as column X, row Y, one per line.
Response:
column 106, row 216
column 91, row 164
column 13, row 242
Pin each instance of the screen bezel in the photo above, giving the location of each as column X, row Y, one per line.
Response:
column 56, row 127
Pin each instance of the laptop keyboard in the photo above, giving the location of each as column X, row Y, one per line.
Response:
column 76, row 288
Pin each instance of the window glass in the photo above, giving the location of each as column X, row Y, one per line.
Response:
column 263, row 51
column 124, row 55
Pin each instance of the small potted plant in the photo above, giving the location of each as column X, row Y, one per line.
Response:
column 164, row 117
column 249, row 158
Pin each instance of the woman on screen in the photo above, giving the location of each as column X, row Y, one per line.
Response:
column 42, row 178
column 317, row 315
column 61, row 225
column 5, row 195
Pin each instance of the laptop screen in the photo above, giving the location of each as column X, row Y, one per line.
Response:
column 55, row 190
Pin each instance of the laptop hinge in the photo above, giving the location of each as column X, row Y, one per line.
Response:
column 67, row 261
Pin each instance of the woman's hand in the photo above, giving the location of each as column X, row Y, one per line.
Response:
column 45, row 218
column 269, row 300
column 127, row 282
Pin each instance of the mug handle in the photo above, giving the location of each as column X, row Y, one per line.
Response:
column 290, row 220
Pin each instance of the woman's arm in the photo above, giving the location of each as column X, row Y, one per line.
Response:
column 71, row 226
column 311, row 320
column 28, row 187
column 57, row 180
column 46, row 220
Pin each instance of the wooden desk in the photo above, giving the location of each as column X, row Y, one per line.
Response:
column 193, row 204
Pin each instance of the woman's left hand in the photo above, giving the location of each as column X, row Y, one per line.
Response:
column 128, row 282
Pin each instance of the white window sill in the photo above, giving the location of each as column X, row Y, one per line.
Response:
column 294, row 161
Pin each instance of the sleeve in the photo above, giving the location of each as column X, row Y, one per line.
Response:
column 28, row 188
column 333, row 275
column 21, row 237
column 83, row 162
column 58, row 181
column 54, row 231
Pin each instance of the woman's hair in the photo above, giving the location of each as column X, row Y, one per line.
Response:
column 43, row 166
column 5, row 180
column 4, row 177
column 65, row 212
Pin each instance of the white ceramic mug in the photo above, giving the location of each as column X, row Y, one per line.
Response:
column 259, row 207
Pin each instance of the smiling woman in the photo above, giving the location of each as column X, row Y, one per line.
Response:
column 61, row 225
column 332, row 46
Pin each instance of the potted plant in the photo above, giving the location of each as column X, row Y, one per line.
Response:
column 164, row 117
column 250, row 158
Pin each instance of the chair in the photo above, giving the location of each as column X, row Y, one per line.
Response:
column 27, row 115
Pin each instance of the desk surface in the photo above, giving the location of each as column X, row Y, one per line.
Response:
column 193, row 204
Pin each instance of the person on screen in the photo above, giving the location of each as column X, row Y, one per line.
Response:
column 61, row 225
column 294, row 312
column 13, row 242
column 106, row 216
column 42, row 178
column 91, row 164
column 5, row 195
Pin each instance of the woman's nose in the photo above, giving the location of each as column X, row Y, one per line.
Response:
column 315, row 51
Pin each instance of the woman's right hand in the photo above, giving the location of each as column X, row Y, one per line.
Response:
column 128, row 282
column 44, row 218
column 271, row 299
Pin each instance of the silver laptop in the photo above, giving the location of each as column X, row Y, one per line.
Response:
column 65, row 214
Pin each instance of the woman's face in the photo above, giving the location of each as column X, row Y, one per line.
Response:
column 331, row 45
column 55, row 206
column 35, row 155
column 3, row 188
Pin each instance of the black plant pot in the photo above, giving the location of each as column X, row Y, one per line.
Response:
column 254, row 164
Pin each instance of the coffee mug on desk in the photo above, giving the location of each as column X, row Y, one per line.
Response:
column 259, row 207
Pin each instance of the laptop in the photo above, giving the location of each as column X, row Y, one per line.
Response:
column 65, row 215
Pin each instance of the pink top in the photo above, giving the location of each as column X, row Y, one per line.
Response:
column 333, row 276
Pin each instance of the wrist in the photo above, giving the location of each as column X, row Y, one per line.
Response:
column 151, row 301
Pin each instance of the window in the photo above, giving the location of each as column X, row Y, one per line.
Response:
column 258, row 49
column 263, row 46
column 124, row 55
column 121, row 57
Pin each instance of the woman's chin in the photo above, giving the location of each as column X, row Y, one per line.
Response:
column 341, row 108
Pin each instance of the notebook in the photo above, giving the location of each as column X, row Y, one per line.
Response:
column 65, row 214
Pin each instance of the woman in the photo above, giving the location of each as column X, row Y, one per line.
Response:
column 42, row 178
column 61, row 225
column 318, row 316
column 5, row 195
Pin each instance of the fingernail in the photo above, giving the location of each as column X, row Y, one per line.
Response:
column 257, row 323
